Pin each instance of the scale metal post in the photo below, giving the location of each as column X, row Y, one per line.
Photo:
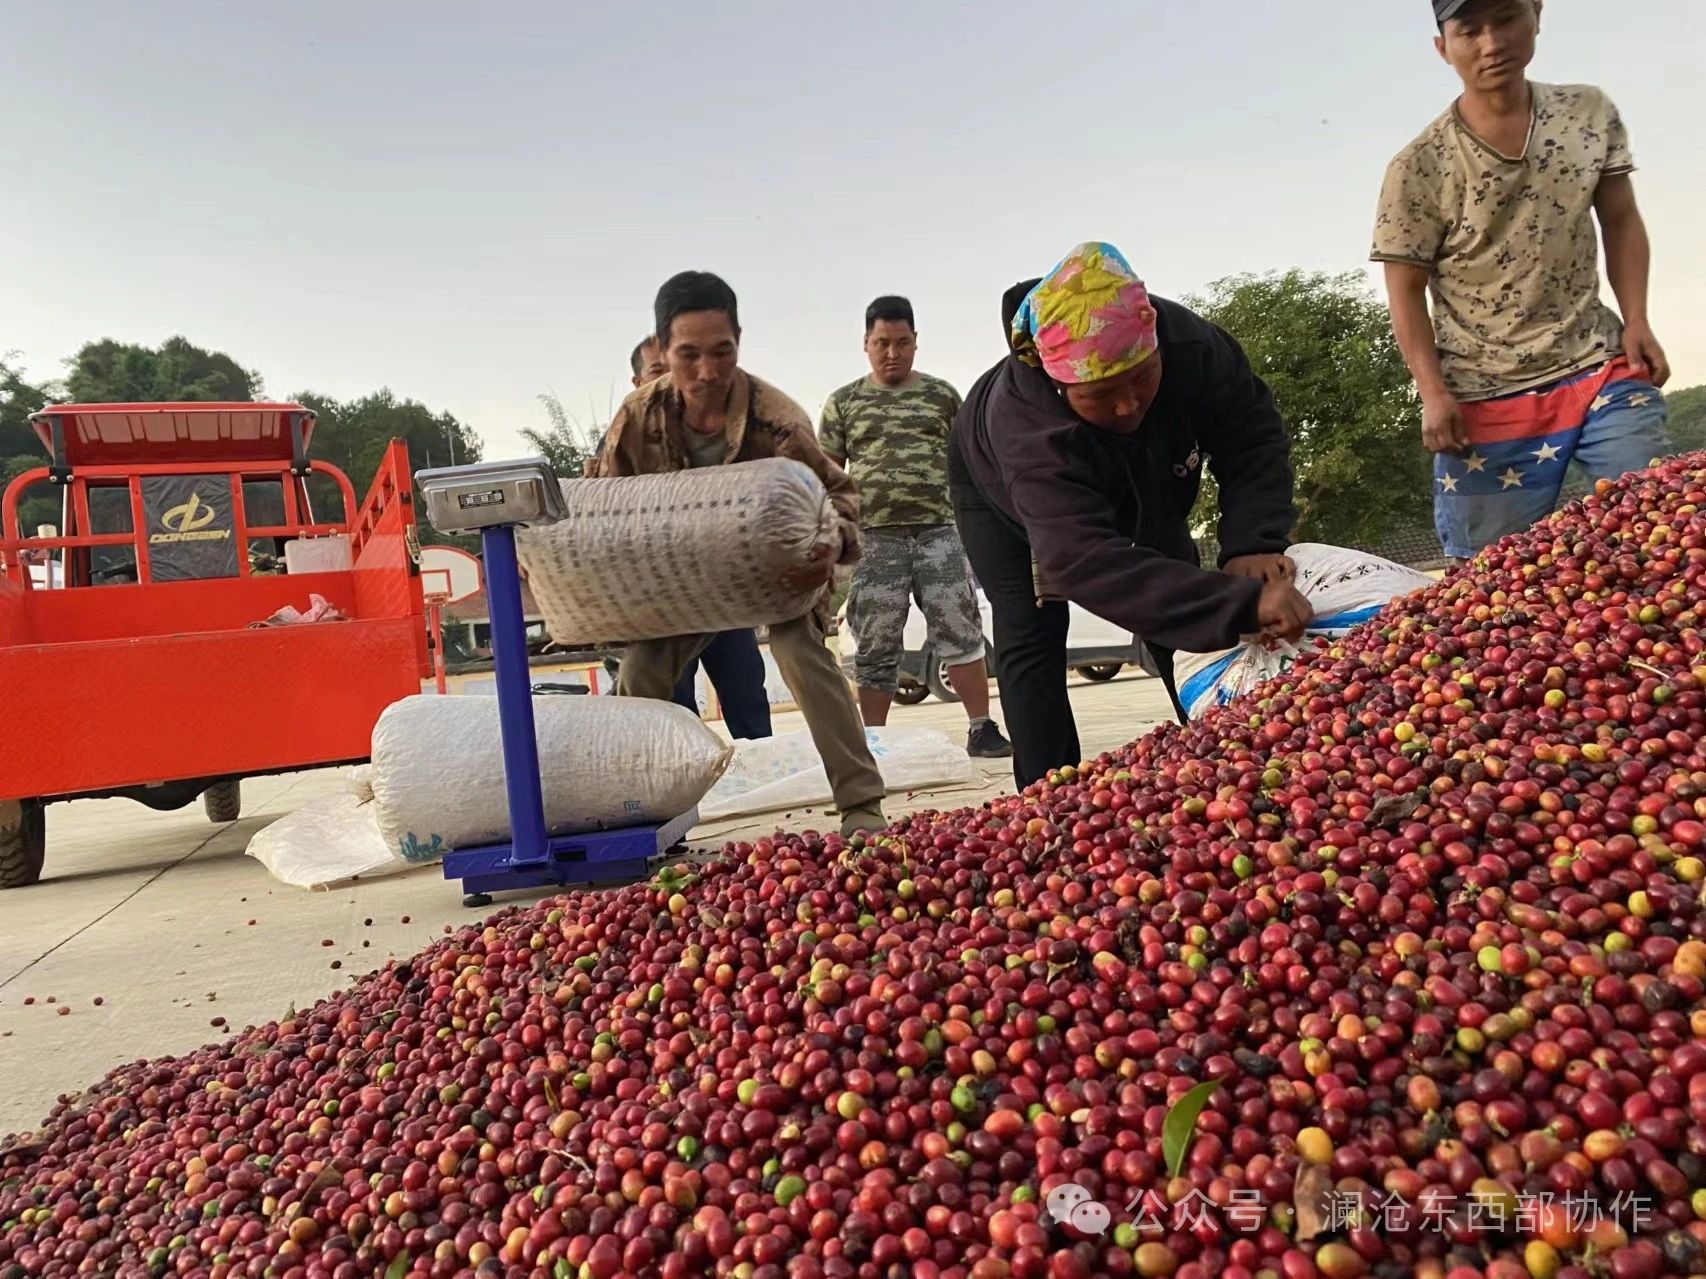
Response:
column 494, row 499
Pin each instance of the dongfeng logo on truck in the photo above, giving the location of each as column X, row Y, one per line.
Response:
column 188, row 523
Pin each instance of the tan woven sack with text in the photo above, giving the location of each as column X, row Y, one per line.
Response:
column 688, row 553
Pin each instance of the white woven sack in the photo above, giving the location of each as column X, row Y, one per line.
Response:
column 689, row 553
column 604, row 763
column 327, row 841
column 1344, row 588
column 784, row 772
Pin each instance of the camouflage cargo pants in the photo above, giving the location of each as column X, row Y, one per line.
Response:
column 926, row 563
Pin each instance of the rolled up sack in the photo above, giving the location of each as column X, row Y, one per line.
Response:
column 1344, row 588
column 689, row 553
column 604, row 763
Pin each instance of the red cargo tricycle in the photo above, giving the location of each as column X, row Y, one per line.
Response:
column 136, row 654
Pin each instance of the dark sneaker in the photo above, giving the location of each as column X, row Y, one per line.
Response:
column 984, row 741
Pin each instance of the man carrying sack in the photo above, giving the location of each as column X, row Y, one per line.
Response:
column 708, row 412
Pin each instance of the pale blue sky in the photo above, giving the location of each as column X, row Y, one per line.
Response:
column 474, row 203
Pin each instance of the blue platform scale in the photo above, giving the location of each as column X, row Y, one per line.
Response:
column 494, row 499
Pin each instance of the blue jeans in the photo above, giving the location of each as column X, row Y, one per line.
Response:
column 735, row 668
column 1521, row 446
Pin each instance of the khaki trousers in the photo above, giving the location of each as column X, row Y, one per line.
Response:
column 651, row 668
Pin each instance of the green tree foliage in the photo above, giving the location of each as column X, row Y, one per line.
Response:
column 20, row 450
column 1687, row 427
column 565, row 444
column 19, row 397
column 353, row 434
column 109, row 372
column 1323, row 344
column 350, row 434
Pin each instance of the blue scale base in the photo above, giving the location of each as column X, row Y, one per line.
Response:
column 596, row 857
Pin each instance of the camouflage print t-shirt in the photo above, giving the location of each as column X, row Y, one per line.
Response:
column 895, row 440
column 1510, row 242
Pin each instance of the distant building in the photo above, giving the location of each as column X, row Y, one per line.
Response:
column 473, row 615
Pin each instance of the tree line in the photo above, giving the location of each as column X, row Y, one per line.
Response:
column 1322, row 342
column 350, row 434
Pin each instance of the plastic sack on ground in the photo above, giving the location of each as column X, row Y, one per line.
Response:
column 689, row 553
column 1345, row 588
column 776, row 773
column 604, row 763
column 327, row 841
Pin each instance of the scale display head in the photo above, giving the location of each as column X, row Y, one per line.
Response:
column 466, row 499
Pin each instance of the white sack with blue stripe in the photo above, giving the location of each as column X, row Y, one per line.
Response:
column 1345, row 588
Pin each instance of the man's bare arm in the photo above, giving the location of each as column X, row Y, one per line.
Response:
column 1628, row 263
column 1407, row 299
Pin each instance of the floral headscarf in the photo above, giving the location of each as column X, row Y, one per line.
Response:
column 1090, row 318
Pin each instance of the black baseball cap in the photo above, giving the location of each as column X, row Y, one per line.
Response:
column 1445, row 10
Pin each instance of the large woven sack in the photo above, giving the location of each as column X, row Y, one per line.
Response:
column 689, row 553
column 604, row 763
column 777, row 773
column 329, row 840
column 1343, row 587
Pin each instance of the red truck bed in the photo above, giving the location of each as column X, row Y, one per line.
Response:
column 105, row 686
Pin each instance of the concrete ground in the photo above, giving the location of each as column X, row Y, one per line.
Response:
column 152, row 933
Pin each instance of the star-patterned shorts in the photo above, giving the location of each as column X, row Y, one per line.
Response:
column 1606, row 420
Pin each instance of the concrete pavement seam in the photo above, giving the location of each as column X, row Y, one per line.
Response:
column 128, row 897
column 170, row 866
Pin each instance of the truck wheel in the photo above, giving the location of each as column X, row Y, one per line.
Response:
column 936, row 675
column 910, row 694
column 1100, row 672
column 223, row 802
column 23, row 841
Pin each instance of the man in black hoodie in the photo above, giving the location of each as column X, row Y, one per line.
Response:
column 1073, row 467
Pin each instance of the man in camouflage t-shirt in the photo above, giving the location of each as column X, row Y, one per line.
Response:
column 1521, row 368
column 890, row 431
